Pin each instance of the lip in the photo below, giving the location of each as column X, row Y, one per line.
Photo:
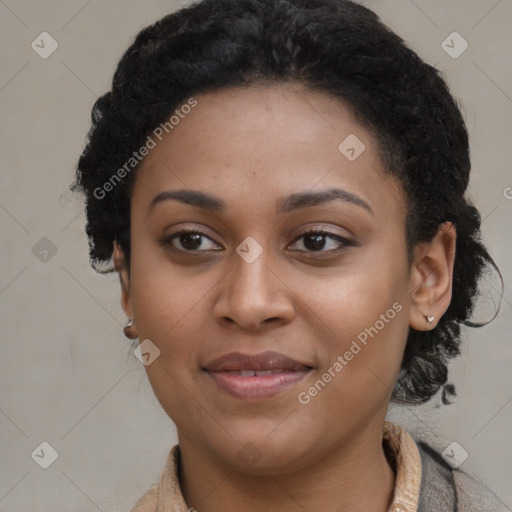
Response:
column 280, row 373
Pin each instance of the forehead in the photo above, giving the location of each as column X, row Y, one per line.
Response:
column 252, row 145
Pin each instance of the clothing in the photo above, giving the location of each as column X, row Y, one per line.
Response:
column 406, row 461
column 444, row 489
column 424, row 482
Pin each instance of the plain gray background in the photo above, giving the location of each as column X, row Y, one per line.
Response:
column 67, row 374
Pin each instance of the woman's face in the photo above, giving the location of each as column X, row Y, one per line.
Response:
column 254, row 281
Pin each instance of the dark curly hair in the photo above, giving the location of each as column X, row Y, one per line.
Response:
column 332, row 46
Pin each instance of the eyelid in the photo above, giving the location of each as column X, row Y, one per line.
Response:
column 322, row 229
column 167, row 240
column 193, row 228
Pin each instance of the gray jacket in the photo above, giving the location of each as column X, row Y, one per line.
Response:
column 444, row 489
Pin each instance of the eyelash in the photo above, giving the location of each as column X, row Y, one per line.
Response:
column 167, row 241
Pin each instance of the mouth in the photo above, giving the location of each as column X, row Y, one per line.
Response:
column 256, row 377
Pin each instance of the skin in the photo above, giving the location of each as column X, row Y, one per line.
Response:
column 249, row 147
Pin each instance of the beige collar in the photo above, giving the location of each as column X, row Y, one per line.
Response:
column 407, row 468
column 166, row 496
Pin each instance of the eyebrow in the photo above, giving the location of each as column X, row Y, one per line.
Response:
column 286, row 204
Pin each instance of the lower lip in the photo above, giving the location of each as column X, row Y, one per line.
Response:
column 257, row 387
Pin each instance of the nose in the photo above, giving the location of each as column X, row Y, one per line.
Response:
column 254, row 295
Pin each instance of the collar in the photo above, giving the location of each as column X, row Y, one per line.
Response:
column 407, row 464
column 166, row 496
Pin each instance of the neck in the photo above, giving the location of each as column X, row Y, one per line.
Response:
column 354, row 477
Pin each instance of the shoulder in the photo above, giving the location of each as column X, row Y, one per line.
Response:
column 167, row 489
column 148, row 502
column 445, row 489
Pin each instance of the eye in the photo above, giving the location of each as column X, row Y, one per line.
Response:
column 314, row 240
column 317, row 240
column 189, row 240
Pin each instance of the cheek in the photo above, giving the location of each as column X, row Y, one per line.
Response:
column 168, row 312
column 164, row 304
column 366, row 312
column 163, row 295
column 361, row 364
column 166, row 308
column 357, row 300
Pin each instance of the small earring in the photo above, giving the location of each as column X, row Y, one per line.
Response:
column 127, row 328
column 429, row 319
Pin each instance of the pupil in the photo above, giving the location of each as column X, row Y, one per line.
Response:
column 196, row 240
column 318, row 242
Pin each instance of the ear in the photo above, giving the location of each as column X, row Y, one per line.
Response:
column 431, row 278
column 121, row 267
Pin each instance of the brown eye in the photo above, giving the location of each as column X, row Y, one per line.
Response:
column 189, row 240
column 318, row 240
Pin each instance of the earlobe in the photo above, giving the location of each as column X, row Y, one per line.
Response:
column 130, row 329
column 431, row 278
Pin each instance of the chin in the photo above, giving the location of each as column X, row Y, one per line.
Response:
column 258, row 452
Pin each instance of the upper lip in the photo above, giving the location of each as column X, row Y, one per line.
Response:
column 257, row 362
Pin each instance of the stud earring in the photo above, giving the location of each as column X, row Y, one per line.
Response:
column 127, row 329
column 429, row 319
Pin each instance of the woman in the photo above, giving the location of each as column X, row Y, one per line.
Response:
column 280, row 185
